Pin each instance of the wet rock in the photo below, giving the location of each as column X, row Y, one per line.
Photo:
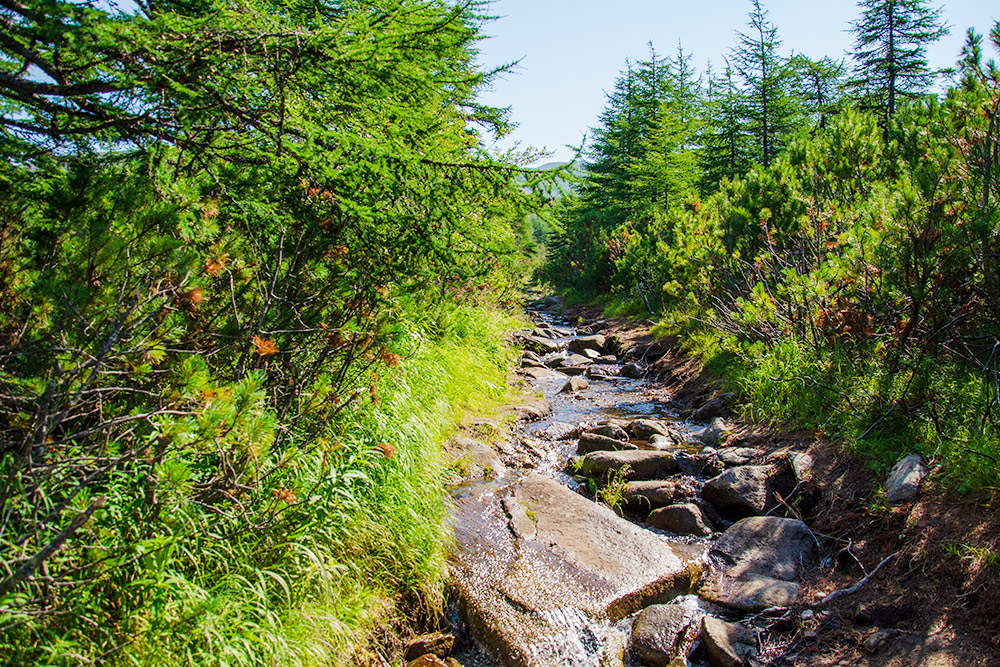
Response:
column 534, row 598
column 541, row 373
column 554, row 360
column 437, row 644
column 611, row 431
column 713, row 434
column 904, row 479
column 644, row 429
column 558, row 431
column 633, row 370
column 651, row 494
column 529, row 358
column 576, row 360
column 595, row 342
column 741, row 491
column 716, row 407
column 593, row 442
column 574, row 384
column 475, row 460
column 662, row 633
column 573, row 370
column 766, row 545
column 682, row 519
column 642, row 464
column 601, row 371
column 538, row 343
column 661, row 442
column 546, row 302
column 593, row 354
column 534, row 410
column 727, row 644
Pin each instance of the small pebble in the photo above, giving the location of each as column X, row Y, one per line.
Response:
column 807, row 615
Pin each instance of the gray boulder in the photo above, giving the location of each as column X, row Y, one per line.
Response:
column 595, row 342
column 475, row 460
column 633, row 370
column 663, row 633
column 601, row 371
column 714, row 433
column 750, row 592
column 742, row 491
column 576, row 360
column 533, row 569
column 727, row 644
column 642, row 464
column 611, row 431
column 574, row 384
column 683, row 519
column 558, row 431
column 592, row 442
column 644, row 429
column 904, row 479
column 646, row 495
column 766, row 545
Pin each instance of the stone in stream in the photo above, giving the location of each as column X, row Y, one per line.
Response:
column 573, row 370
column 633, row 370
column 904, row 479
column 538, row 343
column 475, row 459
column 646, row 495
column 611, row 431
column 541, row 373
column 682, row 519
column 576, row 360
column 558, row 431
column 575, row 384
column 601, row 371
column 592, row 442
column 607, row 360
column 642, row 464
column 436, row 644
column 534, row 410
column 742, row 491
column 727, row 644
column 595, row 342
column 662, row 633
column 715, row 433
column 529, row 358
column 644, row 429
column 594, row 354
column 539, row 572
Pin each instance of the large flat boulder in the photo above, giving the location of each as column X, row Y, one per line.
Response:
column 540, row 571
column 594, row 442
column 583, row 343
column 758, row 560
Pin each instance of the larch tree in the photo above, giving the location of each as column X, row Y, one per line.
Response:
column 770, row 111
column 890, row 50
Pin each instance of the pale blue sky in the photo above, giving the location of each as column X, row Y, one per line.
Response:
column 571, row 51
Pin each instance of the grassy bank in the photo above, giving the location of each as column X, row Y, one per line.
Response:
column 353, row 525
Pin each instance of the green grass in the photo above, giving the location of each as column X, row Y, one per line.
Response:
column 857, row 395
column 365, row 527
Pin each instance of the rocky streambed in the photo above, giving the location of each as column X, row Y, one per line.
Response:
column 610, row 530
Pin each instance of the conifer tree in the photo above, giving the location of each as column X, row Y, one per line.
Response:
column 819, row 85
column 770, row 112
column 890, row 50
column 725, row 144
